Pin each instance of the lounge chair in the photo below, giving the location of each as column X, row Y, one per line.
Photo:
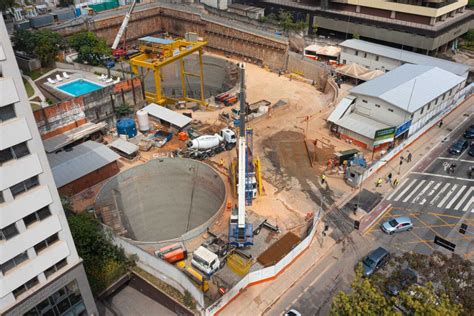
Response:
column 110, row 80
column 51, row 81
column 66, row 76
column 59, row 78
column 117, row 80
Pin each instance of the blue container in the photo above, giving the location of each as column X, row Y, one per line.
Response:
column 127, row 127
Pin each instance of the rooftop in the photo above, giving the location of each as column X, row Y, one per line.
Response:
column 361, row 124
column 124, row 146
column 167, row 115
column 409, row 87
column 59, row 141
column 83, row 159
column 406, row 56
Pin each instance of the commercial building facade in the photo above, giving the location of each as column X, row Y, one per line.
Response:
column 423, row 26
column 394, row 106
column 40, row 270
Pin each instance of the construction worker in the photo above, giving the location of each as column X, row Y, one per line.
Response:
column 395, row 182
column 379, row 182
column 389, row 178
column 221, row 163
column 323, row 178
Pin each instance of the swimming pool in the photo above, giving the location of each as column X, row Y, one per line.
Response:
column 79, row 87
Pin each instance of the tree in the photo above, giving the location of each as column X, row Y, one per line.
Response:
column 65, row 3
column 91, row 49
column 315, row 28
column 103, row 261
column 6, row 4
column 123, row 110
column 24, row 40
column 356, row 36
column 365, row 299
column 47, row 46
column 425, row 300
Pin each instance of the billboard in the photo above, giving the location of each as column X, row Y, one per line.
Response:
column 385, row 135
column 403, row 128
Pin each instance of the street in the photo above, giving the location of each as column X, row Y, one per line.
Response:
column 437, row 203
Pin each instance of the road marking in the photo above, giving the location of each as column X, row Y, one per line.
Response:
column 310, row 285
column 423, row 192
column 463, row 199
column 413, row 192
column 406, row 189
column 447, row 195
column 439, row 193
column 456, row 197
column 466, row 208
column 397, row 189
column 442, row 176
column 463, row 160
column 421, row 240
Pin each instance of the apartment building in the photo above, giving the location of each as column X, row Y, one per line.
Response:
column 422, row 25
column 40, row 270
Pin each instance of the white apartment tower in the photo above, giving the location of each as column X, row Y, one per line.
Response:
column 40, row 270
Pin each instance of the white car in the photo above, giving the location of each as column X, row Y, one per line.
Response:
column 292, row 312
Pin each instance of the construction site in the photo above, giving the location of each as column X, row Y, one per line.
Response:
column 215, row 176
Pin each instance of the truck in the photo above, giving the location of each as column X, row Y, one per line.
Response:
column 206, row 146
column 172, row 253
column 206, row 261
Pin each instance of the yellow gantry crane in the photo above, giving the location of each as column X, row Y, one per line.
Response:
column 158, row 52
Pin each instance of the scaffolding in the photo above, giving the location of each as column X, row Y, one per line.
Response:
column 156, row 53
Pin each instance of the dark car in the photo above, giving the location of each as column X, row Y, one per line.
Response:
column 458, row 147
column 469, row 132
column 471, row 150
column 375, row 260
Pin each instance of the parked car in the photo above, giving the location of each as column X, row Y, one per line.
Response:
column 375, row 260
column 458, row 147
column 471, row 150
column 396, row 225
column 469, row 133
column 292, row 312
column 407, row 278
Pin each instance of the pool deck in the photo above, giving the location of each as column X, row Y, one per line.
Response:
column 56, row 95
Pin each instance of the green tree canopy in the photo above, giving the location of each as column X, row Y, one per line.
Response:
column 44, row 44
column 91, row 49
column 6, row 4
column 365, row 299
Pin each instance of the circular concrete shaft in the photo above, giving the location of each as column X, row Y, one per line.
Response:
column 163, row 199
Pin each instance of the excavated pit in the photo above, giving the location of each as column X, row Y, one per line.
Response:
column 163, row 199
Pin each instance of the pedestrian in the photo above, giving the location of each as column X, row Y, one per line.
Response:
column 379, row 182
column 440, row 123
column 389, row 178
column 323, row 178
column 409, row 157
column 395, row 182
column 221, row 163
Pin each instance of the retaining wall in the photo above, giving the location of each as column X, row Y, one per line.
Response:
column 309, row 69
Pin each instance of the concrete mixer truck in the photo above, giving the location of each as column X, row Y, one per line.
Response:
column 206, row 146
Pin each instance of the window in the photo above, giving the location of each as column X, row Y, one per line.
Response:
column 377, row 105
column 23, row 288
column 444, row 96
column 7, row 112
column 10, row 264
column 65, row 301
column 412, row 115
column 1, row 197
column 344, row 61
column 436, row 101
column 365, row 101
column 357, row 53
column 365, row 55
column 51, row 270
column 428, row 107
column 14, row 152
column 390, row 110
column 376, row 58
column 8, row 232
column 37, row 216
column 24, row 186
column 46, row 243
column 422, row 109
column 451, row 92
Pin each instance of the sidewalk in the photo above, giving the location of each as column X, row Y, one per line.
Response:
column 259, row 298
column 255, row 300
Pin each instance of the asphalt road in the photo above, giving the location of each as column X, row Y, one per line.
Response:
column 438, row 202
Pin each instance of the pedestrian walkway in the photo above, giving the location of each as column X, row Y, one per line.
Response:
column 436, row 193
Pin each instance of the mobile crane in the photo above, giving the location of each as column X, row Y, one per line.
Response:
column 240, row 231
column 119, row 52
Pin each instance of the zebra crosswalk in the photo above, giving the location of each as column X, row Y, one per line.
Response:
column 434, row 193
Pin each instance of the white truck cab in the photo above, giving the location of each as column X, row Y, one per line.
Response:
column 228, row 135
column 205, row 261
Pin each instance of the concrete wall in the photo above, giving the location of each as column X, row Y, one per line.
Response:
column 310, row 69
column 254, row 47
column 384, row 112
